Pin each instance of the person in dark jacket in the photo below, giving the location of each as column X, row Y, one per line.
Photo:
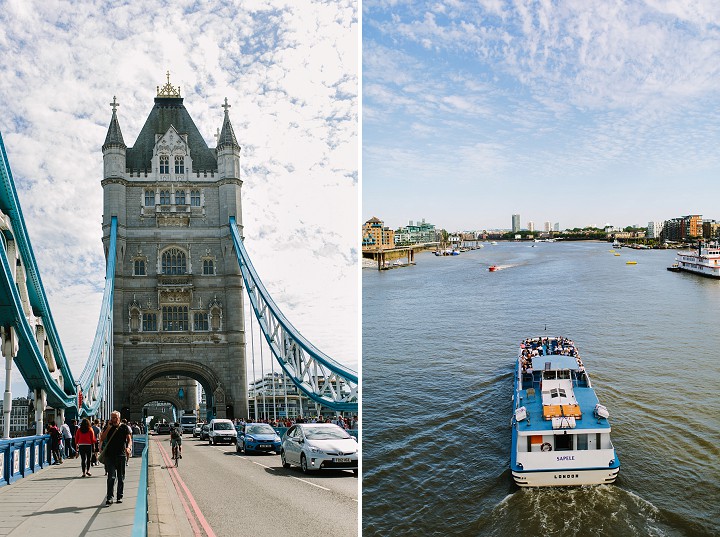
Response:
column 118, row 437
column 55, row 437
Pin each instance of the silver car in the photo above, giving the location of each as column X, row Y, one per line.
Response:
column 319, row 446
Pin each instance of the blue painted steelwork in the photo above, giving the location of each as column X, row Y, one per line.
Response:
column 319, row 377
column 95, row 377
column 47, row 369
column 141, row 507
column 20, row 457
column 30, row 359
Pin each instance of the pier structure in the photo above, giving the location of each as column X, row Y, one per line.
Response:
column 385, row 257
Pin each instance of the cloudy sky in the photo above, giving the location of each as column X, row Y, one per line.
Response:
column 575, row 112
column 288, row 69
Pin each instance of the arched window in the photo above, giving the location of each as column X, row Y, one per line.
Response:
column 174, row 262
column 201, row 322
column 179, row 164
column 180, row 198
column 149, row 322
column 175, row 318
column 139, row 268
column 164, row 197
column 195, row 198
column 208, row 267
column 164, row 164
column 149, row 198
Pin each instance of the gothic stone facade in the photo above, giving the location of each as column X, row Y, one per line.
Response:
column 178, row 305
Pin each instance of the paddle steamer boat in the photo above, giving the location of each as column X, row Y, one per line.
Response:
column 704, row 261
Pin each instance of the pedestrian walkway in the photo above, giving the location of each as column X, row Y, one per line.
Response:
column 58, row 501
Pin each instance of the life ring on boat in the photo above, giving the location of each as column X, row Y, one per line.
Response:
column 546, row 447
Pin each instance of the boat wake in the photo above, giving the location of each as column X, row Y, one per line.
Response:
column 503, row 267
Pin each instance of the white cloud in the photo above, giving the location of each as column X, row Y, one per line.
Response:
column 290, row 73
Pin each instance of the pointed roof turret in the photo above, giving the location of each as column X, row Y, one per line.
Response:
column 114, row 134
column 227, row 134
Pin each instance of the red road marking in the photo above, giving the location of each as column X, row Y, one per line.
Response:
column 178, row 482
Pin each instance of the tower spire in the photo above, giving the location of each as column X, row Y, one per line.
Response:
column 227, row 134
column 114, row 134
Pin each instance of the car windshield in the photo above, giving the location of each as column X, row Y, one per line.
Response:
column 222, row 426
column 325, row 433
column 260, row 429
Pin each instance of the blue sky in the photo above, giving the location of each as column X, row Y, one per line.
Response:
column 290, row 73
column 582, row 113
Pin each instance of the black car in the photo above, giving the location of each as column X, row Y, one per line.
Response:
column 205, row 432
column 162, row 428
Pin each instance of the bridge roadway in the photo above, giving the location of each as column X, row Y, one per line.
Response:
column 214, row 492
column 253, row 495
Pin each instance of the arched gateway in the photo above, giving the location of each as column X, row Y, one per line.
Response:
column 177, row 304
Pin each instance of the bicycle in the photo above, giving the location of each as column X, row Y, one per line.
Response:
column 176, row 455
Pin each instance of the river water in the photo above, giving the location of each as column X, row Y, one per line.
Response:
column 439, row 343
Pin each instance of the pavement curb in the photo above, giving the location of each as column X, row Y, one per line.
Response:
column 166, row 517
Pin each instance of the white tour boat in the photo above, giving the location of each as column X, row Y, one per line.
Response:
column 560, row 431
column 705, row 260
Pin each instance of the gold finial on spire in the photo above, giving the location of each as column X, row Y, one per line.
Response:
column 168, row 90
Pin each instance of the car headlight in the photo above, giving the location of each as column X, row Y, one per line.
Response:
column 249, row 439
column 314, row 449
column 277, row 439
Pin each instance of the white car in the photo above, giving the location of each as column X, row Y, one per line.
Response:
column 197, row 429
column 221, row 430
column 319, row 446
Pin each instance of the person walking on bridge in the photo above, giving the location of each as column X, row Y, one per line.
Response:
column 55, row 437
column 85, row 440
column 118, row 436
column 67, row 440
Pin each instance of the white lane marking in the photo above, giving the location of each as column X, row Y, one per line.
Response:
column 268, row 467
column 308, row 482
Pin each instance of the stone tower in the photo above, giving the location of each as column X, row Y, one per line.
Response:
column 178, row 305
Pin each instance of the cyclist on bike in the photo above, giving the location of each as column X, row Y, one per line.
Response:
column 176, row 442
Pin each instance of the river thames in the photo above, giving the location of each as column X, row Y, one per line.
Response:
column 439, row 343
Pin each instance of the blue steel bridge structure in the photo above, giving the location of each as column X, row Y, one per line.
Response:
column 31, row 342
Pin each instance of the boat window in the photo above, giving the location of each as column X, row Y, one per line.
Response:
column 549, row 375
column 582, row 441
column 598, row 445
column 563, row 442
column 564, row 374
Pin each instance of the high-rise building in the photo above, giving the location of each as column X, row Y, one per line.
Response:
column 548, row 226
column 654, row 229
column 515, row 223
column 531, row 226
column 556, row 227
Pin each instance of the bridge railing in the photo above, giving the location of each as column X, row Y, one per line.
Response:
column 318, row 376
column 20, row 457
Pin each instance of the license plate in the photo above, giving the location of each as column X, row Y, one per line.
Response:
column 264, row 446
column 341, row 459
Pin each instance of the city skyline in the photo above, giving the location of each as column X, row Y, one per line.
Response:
column 61, row 67
column 582, row 114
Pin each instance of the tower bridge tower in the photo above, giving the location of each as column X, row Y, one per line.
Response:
column 178, row 304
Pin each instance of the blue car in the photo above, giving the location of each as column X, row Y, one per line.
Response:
column 257, row 437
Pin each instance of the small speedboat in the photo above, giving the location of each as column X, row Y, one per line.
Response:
column 631, row 262
column 675, row 267
column 492, row 268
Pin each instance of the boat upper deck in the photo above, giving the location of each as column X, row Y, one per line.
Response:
column 555, row 389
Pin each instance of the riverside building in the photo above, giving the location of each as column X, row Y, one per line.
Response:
column 375, row 236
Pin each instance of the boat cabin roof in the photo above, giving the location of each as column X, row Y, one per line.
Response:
column 556, row 361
